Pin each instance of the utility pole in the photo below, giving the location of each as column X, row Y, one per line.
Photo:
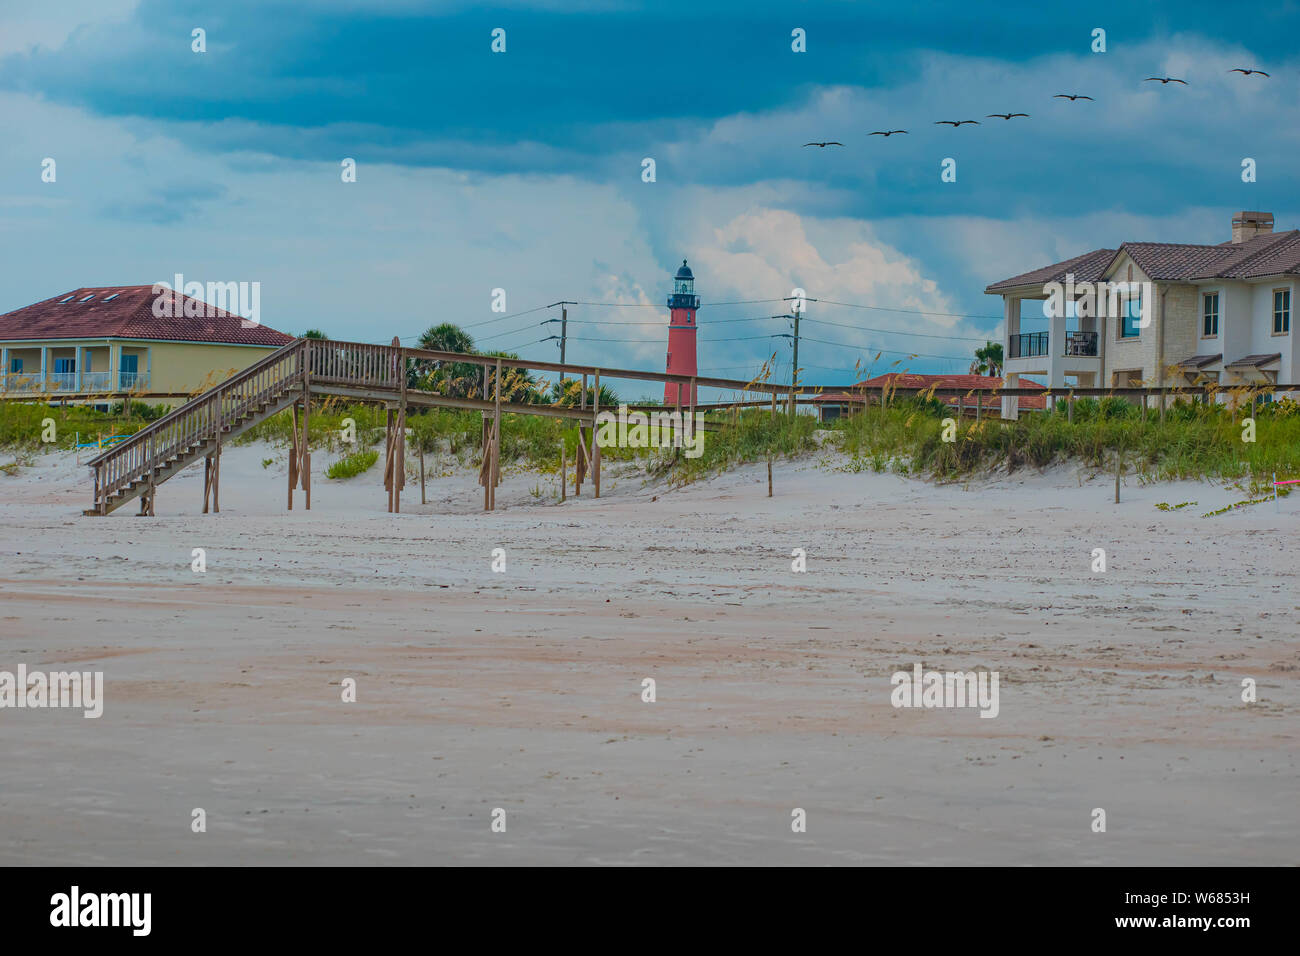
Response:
column 794, row 365
column 564, row 333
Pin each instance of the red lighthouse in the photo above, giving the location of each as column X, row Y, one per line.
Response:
column 681, row 336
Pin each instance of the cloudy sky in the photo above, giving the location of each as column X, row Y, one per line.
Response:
column 522, row 170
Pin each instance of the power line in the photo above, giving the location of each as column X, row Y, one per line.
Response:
column 923, row 335
column 955, row 358
column 884, row 308
column 498, row 335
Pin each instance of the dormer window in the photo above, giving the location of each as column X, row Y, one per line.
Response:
column 68, row 299
column 89, row 297
column 112, row 297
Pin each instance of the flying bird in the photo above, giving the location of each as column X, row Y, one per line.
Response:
column 955, row 123
column 1071, row 97
column 824, row 145
column 1244, row 72
column 1007, row 116
column 890, row 132
column 1165, row 80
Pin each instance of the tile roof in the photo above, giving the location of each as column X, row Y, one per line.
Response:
column 126, row 312
column 1198, row 361
column 1085, row 268
column 1255, row 361
column 968, row 382
column 1267, row 255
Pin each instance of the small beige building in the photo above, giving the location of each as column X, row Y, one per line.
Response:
column 1189, row 314
column 94, row 344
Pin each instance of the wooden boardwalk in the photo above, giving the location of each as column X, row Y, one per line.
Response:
column 307, row 368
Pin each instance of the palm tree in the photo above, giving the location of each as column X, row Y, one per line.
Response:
column 569, row 393
column 517, row 384
column 459, row 379
column 314, row 334
column 988, row 360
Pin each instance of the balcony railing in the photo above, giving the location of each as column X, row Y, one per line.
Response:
column 67, row 382
column 1081, row 343
column 1030, row 344
column 21, row 382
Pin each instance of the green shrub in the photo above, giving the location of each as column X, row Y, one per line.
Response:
column 352, row 465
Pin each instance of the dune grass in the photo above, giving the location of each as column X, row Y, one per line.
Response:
column 352, row 465
column 1194, row 440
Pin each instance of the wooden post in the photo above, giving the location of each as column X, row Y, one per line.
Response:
column 304, row 470
column 563, row 472
column 769, row 450
column 1069, row 407
column 399, row 458
column 961, row 409
column 216, row 463
column 293, row 455
column 487, row 449
column 207, row 482
column 422, row 501
column 388, row 455
column 495, row 474
column 1119, row 466
column 979, row 405
column 595, row 445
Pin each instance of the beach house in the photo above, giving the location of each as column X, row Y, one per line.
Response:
column 90, row 345
column 969, row 394
column 1159, row 313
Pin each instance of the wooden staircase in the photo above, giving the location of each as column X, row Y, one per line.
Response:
column 135, row 467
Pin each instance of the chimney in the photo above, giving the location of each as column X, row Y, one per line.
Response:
column 1248, row 225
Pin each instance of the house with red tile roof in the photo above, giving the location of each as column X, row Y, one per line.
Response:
column 964, row 392
column 94, row 343
column 1159, row 313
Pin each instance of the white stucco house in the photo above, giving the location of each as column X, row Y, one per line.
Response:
column 1188, row 313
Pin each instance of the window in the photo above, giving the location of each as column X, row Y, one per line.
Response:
column 1281, row 311
column 1129, row 326
column 64, row 366
column 110, row 298
column 130, row 364
column 68, row 299
column 15, row 365
column 1210, row 315
column 89, row 297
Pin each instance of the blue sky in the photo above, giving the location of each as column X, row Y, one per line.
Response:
column 522, row 170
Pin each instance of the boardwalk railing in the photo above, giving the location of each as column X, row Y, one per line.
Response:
column 200, row 420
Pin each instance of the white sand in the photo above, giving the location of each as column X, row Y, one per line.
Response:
column 522, row 690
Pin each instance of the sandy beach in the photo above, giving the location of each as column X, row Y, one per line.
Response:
column 522, row 690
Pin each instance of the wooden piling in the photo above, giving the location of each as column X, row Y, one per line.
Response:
column 595, row 434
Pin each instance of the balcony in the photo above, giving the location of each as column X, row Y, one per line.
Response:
column 20, row 382
column 1031, row 344
column 66, row 382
